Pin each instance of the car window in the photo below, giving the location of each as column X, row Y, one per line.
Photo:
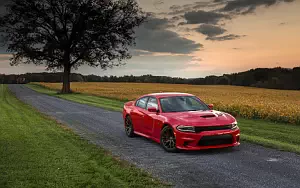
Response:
column 142, row 102
column 193, row 102
column 182, row 104
column 152, row 103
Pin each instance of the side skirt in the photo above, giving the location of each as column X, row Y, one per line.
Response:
column 147, row 136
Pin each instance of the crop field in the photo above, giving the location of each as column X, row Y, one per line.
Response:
column 251, row 103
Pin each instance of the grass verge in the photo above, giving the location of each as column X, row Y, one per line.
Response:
column 36, row 151
column 280, row 136
column 103, row 102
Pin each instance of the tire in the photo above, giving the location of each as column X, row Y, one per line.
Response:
column 129, row 127
column 168, row 139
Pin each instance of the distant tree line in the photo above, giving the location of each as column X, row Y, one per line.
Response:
column 274, row 78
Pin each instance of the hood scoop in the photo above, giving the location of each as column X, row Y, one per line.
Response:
column 208, row 116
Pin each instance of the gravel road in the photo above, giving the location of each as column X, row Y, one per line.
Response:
column 247, row 166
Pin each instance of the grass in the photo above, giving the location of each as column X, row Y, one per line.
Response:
column 103, row 102
column 36, row 151
column 285, row 137
column 280, row 136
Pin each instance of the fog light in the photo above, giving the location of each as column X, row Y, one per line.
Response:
column 186, row 143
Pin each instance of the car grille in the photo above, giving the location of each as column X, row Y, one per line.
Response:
column 215, row 140
column 212, row 128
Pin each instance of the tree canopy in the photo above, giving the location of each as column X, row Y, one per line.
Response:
column 65, row 34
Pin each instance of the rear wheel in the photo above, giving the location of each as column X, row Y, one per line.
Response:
column 168, row 139
column 129, row 127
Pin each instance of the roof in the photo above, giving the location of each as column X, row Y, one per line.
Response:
column 169, row 94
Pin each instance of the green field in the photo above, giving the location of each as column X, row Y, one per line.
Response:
column 276, row 135
column 36, row 151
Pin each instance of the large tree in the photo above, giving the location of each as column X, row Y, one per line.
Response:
column 65, row 34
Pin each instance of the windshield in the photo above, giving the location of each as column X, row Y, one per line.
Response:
column 182, row 104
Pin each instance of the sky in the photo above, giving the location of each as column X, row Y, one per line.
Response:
column 197, row 38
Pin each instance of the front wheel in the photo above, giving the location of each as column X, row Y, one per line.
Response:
column 168, row 139
column 129, row 127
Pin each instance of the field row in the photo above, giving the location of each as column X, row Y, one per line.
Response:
column 252, row 103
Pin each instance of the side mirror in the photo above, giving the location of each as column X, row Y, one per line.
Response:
column 210, row 106
column 152, row 109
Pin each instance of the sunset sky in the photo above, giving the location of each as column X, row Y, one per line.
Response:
column 196, row 38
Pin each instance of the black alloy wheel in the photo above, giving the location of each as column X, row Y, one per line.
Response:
column 168, row 139
column 129, row 127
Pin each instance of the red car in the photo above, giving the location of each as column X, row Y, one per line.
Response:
column 180, row 121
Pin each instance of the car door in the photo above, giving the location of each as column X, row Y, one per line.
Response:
column 138, row 113
column 149, row 117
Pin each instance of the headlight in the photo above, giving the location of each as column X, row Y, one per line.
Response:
column 184, row 128
column 234, row 125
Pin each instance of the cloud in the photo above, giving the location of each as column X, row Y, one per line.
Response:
column 197, row 59
column 209, row 4
column 175, row 7
column 140, row 53
column 210, row 30
column 153, row 36
column 181, row 23
column 2, row 6
column 175, row 18
column 198, row 5
column 4, row 2
column 195, row 62
column 156, row 23
column 282, row 23
column 231, row 6
column 3, row 47
column 158, row 3
column 225, row 37
column 5, row 57
column 198, row 17
column 249, row 6
column 141, row 65
column 180, row 11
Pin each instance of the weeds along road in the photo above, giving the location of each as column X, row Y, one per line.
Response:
column 246, row 166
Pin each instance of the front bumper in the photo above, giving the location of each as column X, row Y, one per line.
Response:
column 207, row 139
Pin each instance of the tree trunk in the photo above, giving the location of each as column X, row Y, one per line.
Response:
column 66, row 80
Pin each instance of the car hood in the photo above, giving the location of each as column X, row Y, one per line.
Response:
column 201, row 118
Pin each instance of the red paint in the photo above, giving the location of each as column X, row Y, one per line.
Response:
column 149, row 123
